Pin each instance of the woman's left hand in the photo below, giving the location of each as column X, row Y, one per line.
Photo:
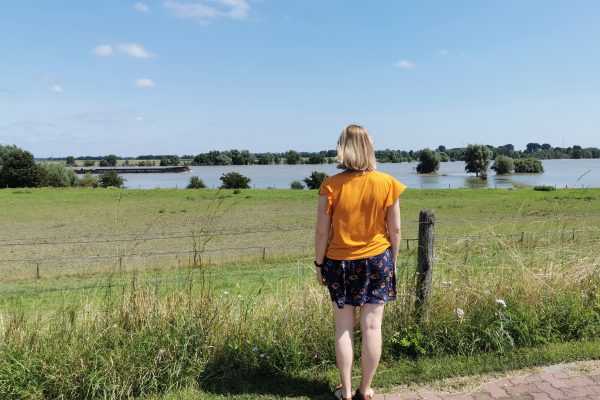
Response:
column 320, row 278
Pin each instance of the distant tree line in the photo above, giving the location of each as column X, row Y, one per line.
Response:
column 427, row 156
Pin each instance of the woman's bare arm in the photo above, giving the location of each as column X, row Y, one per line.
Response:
column 322, row 233
column 392, row 219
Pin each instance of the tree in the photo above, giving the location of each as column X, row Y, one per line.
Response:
column 89, row 163
column 292, row 157
column 265, row 159
column 170, row 160
column 441, row 149
column 528, row 166
column 315, row 179
column 316, row 158
column 111, row 159
column 196, row 183
column 234, row 180
column 70, row 161
column 57, row 175
column 503, row 165
column 429, row 162
column 477, row 159
column 19, row 169
column 111, row 178
column 533, row 147
column 297, row 185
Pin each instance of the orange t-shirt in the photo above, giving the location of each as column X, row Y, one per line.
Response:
column 358, row 202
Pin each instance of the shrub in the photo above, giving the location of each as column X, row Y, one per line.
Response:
column 111, row 178
column 57, row 175
column 429, row 162
column 234, row 180
column 315, row 179
column 89, row 163
column 544, row 188
column 89, row 181
column 503, row 165
column 297, row 185
column 529, row 166
column 196, row 183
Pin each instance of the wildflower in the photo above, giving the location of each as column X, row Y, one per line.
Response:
column 446, row 282
column 225, row 293
column 501, row 302
column 262, row 355
column 460, row 312
column 240, row 297
column 255, row 349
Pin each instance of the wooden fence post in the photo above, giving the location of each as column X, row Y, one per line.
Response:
column 424, row 262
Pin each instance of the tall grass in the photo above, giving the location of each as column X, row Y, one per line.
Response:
column 138, row 342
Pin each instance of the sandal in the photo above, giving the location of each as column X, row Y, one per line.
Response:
column 367, row 396
column 337, row 393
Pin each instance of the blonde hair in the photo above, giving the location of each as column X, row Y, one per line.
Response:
column 355, row 149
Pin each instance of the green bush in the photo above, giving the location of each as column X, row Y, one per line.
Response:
column 89, row 181
column 234, row 180
column 111, row 178
column 503, row 165
column 196, row 183
column 315, row 179
column 528, row 166
column 57, row 175
column 544, row 188
column 297, row 185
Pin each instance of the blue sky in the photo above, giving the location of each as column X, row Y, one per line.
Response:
column 184, row 77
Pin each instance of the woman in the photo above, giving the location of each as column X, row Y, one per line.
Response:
column 357, row 238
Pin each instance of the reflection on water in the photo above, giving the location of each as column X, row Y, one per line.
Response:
column 559, row 173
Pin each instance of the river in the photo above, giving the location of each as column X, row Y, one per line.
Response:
column 559, row 173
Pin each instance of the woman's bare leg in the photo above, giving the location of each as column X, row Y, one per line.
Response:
column 370, row 324
column 344, row 329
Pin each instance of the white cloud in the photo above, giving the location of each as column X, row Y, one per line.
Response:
column 405, row 64
column 443, row 52
column 139, row 119
column 104, row 50
column 205, row 9
column 57, row 89
column 134, row 50
column 145, row 82
column 141, row 7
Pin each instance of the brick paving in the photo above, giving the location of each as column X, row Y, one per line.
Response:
column 570, row 381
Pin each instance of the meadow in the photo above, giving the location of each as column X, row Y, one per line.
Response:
column 211, row 294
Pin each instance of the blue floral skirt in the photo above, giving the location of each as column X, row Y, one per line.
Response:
column 356, row 282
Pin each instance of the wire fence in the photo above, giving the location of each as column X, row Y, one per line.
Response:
column 36, row 259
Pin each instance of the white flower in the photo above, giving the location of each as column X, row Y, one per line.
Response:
column 446, row 282
column 240, row 297
column 262, row 355
column 501, row 302
column 225, row 293
column 460, row 312
column 255, row 349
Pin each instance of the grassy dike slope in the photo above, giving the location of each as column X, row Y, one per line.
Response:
column 263, row 330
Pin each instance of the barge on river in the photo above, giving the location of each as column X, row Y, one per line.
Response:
column 131, row 170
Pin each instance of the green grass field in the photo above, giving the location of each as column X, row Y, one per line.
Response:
column 109, row 301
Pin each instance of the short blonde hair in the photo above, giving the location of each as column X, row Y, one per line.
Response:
column 355, row 149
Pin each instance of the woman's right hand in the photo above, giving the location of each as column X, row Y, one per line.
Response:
column 320, row 278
